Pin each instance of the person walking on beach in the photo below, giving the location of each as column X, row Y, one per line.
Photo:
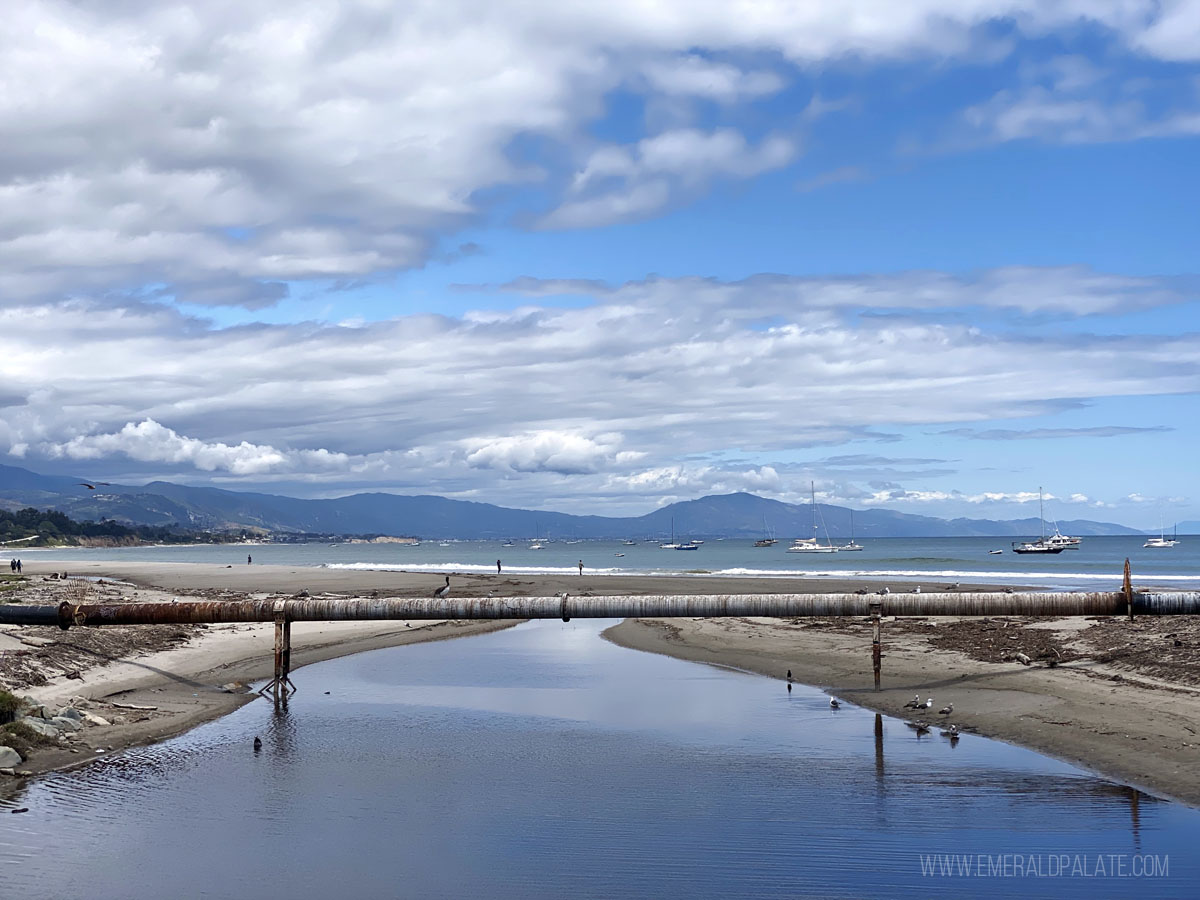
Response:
column 18, row 567
column 497, row 567
column 248, row 559
column 581, row 567
column 12, row 564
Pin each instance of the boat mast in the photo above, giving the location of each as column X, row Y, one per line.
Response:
column 1041, row 515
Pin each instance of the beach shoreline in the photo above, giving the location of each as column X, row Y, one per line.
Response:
column 1136, row 729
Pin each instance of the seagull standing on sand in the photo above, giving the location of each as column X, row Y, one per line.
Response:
column 886, row 590
column 917, row 589
column 928, row 704
column 914, row 703
column 946, row 710
column 444, row 589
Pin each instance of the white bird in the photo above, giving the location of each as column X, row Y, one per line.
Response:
column 951, row 732
column 444, row 589
column 917, row 589
column 946, row 710
column 833, row 704
column 914, row 702
column 928, row 704
column 885, row 591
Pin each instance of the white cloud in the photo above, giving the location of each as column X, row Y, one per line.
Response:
column 619, row 183
column 600, row 400
column 548, row 451
column 206, row 145
column 148, row 441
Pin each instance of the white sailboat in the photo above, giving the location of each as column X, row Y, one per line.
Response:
column 851, row 545
column 812, row 545
column 1162, row 542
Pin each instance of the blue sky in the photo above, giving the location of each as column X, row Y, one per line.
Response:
column 928, row 256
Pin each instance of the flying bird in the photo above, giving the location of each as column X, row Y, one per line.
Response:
column 92, row 487
column 444, row 589
column 946, row 710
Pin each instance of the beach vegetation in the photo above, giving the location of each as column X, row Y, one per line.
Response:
column 50, row 528
column 22, row 738
column 9, row 706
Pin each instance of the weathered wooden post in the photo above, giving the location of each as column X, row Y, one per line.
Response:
column 876, row 639
column 1127, row 589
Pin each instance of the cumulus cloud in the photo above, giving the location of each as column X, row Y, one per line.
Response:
column 548, row 451
column 595, row 400
column 209, row 147
column 149, row 441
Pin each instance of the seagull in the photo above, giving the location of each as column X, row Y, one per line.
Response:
column 92, row 487
column 928, row 704
column 789, row 675
column 917, row 589
column 861, row 591
column 444, row 589
column 914, row 703
column 833, row 704
column 946, row 710
column 257, row 744
column 952, row 587
column 919, row 727
column 951, row 732
column 885, row 591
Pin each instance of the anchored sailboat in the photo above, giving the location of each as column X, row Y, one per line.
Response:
column 1040, row 545
column 812, row 545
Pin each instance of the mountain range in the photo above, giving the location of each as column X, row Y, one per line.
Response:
column 726, row 515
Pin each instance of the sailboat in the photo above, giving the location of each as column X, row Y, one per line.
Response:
column 812, row 545
column 537, row 544
column 672, row 545
column 851, row 545
column 1162, row 542
column 768, row 540
column 1040, row 545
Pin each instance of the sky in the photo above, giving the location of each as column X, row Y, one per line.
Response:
column 597, row 258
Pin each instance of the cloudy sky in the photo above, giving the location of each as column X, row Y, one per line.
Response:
column 599, row 257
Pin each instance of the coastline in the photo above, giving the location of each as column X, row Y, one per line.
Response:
column 1092, row 712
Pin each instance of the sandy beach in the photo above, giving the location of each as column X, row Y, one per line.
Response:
column 1119, row 699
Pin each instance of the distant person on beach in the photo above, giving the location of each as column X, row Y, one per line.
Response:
column 18, row 567
column 248, row 559
column 12, row 564
column 581, row 567
column 497, row 567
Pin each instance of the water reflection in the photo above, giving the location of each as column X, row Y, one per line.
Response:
column 543, row 761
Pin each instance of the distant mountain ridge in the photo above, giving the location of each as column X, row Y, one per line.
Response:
column 738, row 515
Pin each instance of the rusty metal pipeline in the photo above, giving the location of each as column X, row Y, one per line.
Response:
column 1092, row 603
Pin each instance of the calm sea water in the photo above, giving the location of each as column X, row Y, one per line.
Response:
column 1097, row 565
column 543, row 761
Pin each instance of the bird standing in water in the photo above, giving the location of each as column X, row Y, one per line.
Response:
column 444, row 589
column 833, row 703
